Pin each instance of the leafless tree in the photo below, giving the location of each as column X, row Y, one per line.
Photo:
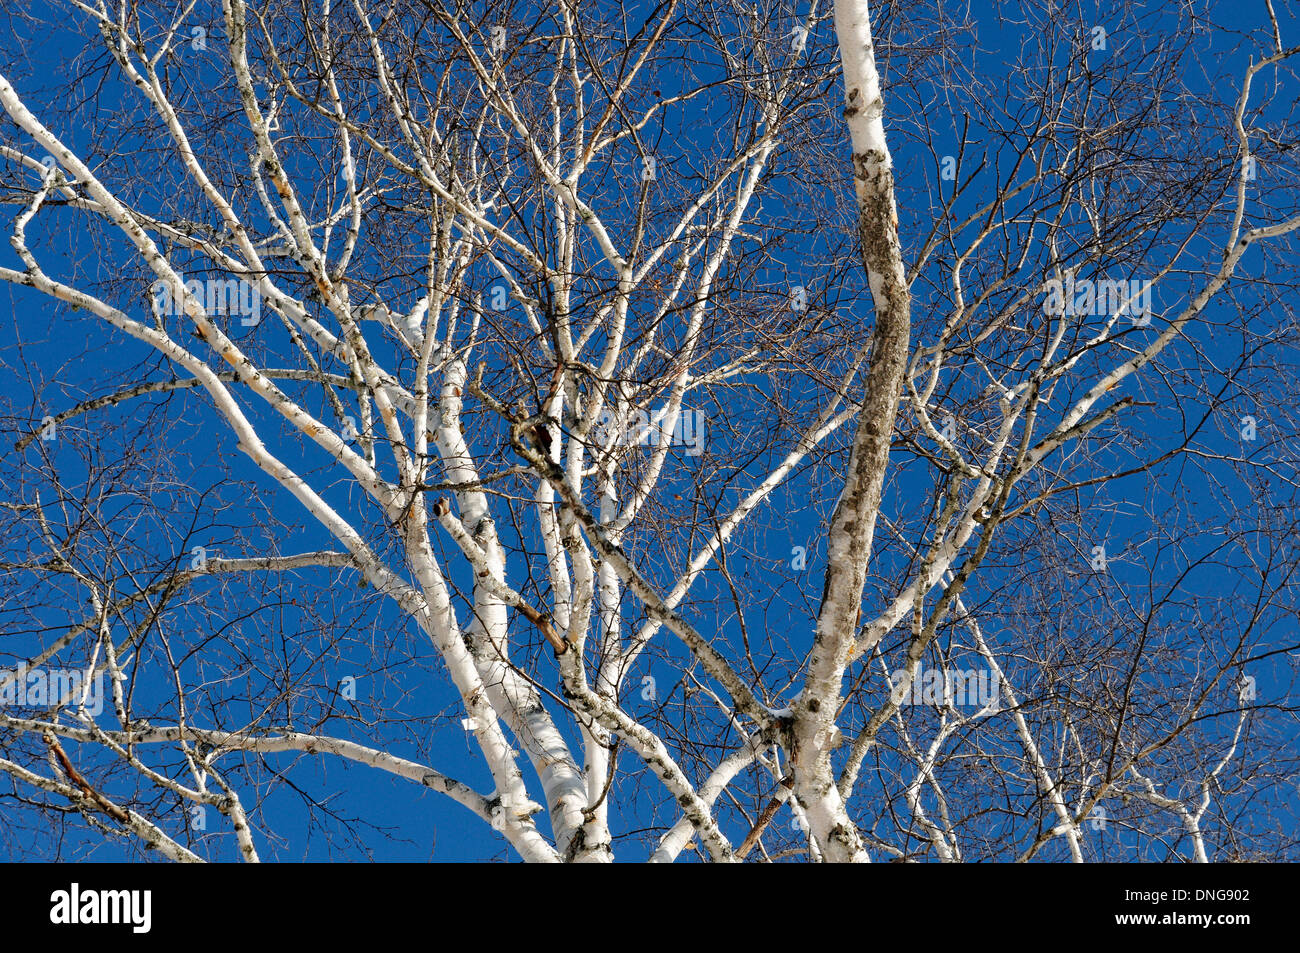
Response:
column 838, row 432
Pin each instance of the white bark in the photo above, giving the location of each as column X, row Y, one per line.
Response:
column 853, row 522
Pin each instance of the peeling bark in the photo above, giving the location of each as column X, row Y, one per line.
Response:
column 854, row 520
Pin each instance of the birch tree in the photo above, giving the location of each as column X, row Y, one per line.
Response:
column 698, row 430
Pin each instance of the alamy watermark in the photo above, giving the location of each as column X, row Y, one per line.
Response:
column 51, row 688
column 958, row 687
column 1099, row 298
column 233, row 296
column 133, row 908
column 685, row 429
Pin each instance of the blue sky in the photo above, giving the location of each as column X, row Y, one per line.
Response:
column 1195, row 569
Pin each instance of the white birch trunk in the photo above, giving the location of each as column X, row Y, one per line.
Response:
column 853, row 522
